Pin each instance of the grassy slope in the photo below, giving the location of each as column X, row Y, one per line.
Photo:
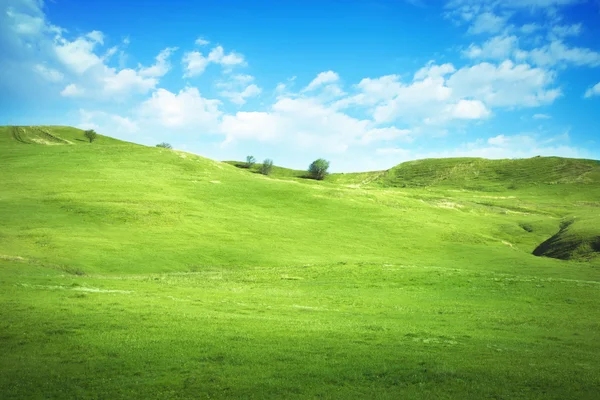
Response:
column 128, row 270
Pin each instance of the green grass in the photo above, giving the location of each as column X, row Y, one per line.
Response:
column 138, row 272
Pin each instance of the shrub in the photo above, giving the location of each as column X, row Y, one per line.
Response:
column 91, row 135
column 266, row 167
column 250, row 161
column 318, row 169
column 164, row 145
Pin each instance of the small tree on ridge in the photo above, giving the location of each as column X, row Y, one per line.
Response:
column 318, row 169
column 164, row 145
column 250, row 161
column 91, row 135
column 266, row 166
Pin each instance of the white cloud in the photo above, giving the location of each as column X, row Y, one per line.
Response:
column 29, row 23
column 195, row 62
column 187, row 109
column 239, row 88
column 96, row 37
column 496, row 48
column 240, row 97
column 126, row 81
column 487, row 22
column 416, row 101
column 562, row 31
column 593, row 91
column 307, row 123
column 78, row 55
column 162, row 65
column 559, row 53
column 541, row 116
column 72, row 90
column 49, row 74
column 530, row 28
column 505, row 85
column 469, row 109
column 322, row 78
column 434, row 71
column 201, row 41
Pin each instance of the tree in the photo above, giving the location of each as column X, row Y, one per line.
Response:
column 318, row 169
column 266, row 167
column 91, row 135
column 164, row 145
column 250, row 161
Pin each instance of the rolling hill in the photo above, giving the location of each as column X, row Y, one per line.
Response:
column 130, row 271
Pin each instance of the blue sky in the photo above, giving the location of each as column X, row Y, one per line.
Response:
column 366, row 84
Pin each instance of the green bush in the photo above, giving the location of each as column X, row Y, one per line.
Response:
column 266, row 167
column 318, row 169
column 164, row 145
column 91, row 135
column 250, row 161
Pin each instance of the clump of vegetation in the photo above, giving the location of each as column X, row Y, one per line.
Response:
column 266, row 167
column 318, row 169
column 250, row 161
column 91, row 135
column 165, row 145
column 526, row 226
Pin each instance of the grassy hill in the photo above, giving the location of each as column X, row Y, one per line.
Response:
column 493, row 175
column 133, row 271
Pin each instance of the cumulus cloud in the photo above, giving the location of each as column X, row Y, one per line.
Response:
column 162, row 65
column 322, row 78
column 50, row 74
column 505, row 85
column 186, row 108
column 496, row 48
column 72, row 90
column 201, row 41
column 556, row 53
column 307, row 123
column 195, row 62
column 239, row 88
column 593, row 91
column 487, row 22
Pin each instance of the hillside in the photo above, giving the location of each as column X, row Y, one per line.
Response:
column 492, row 175
column 156, row 200
column 129, row 271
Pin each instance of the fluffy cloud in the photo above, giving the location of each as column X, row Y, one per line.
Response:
column 239, row 88
column 434, row 71
column 593, row 91
column 162, row 65
column 195, row 62
column 487, row 22
column 308, row 123
column 78, row 55
column 72, row 90
column 505, row 85
column 201, row 41
column 558, row 53
column 323, row 78
column 50, row 74
column 186, row 109
column 496, row 48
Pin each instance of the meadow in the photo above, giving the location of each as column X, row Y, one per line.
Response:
column 129, row 271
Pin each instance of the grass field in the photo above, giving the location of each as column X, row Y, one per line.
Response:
column 136, row 272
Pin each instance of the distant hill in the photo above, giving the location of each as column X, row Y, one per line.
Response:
column 484, row 174
column 112, row 205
